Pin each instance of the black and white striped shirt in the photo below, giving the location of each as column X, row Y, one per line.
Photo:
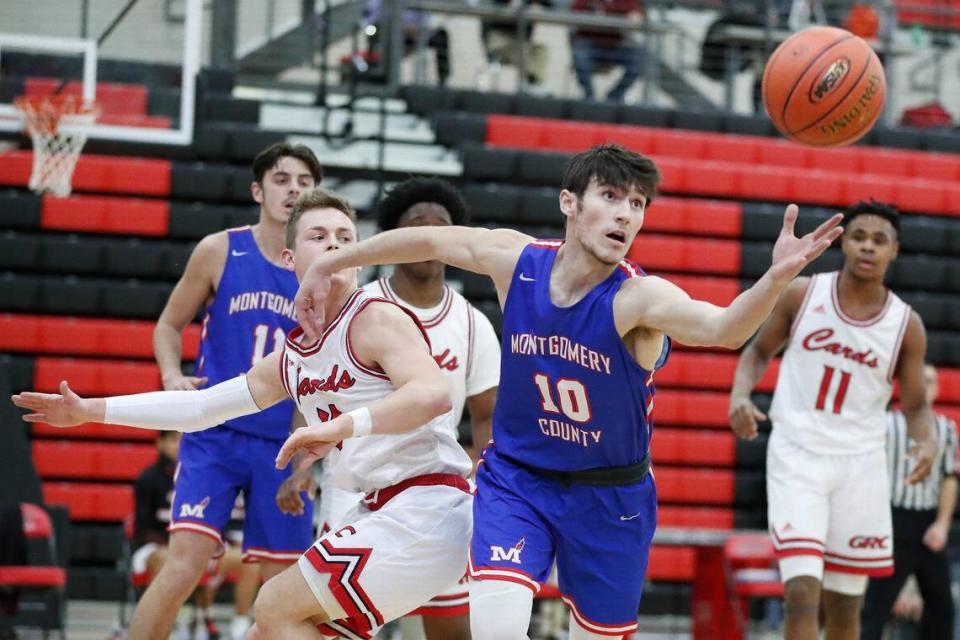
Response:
column 926, row 494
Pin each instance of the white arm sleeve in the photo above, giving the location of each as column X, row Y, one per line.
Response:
column 183, row 410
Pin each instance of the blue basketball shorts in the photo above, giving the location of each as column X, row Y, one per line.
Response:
column 214, row 466
column 599, row 537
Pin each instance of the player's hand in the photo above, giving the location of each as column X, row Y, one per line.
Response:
column 922, row 454
column 791, row 254
column 309, row 301
column 181, row 382
column 935, row 537
column 289, row 498
column 64, row 409
column 315, row 442
column 743, row 415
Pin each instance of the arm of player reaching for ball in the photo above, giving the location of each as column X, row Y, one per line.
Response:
column 756, row 356
column 913, row 400
column 492, row 252
column 654, row 303
column 384, row 336
column 162, row 410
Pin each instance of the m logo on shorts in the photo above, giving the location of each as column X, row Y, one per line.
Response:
column 194, row 510
column 868, row 542
column 512, row 554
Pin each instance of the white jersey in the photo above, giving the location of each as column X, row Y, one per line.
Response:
column 325, row 379
column 464, row 343
column 836, row 376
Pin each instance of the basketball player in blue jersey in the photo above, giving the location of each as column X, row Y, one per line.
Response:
column 237, row 277
column 584, row 332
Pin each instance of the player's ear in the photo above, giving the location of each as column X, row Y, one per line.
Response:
column 568, row 203
column 287, row 256
column 256, row 190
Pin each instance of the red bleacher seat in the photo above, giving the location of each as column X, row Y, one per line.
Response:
column 98, row 214
column 864, row 187
column 637, row 139
column 85, row 336
column 677, row 143
column 669, row 515
column 510, row 131
column 695, row 486
column 694, row 447
column 692, row 255
column 91, row 460
column 670, row 563
column 769, row 183
column 112, row 98
column 711, row 178
column 846, row 159
column 690, row 408
column 734, row 148
column 719, row 291
column 572, row 136
column 694, row 216
column 92, row 431
column 918, row 195
column 783, row 153
column 707, row 371
column 91, row 501
column 97, row 173
column 96, row 377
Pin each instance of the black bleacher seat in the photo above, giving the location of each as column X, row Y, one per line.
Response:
column 425, row 100
column 452, row 129
column 19, row 292
column 541, row 168
column 247, row 141
column 542, row 107
column 925, row 234
column 199, row 181
column 539, row 207
column 492, row 202
column 953, row 275
column 698, row 119
column 20, row 210
column 225, row 108
column 69, row 254
column 134, row 298
column 70, row 295
column 19, row 250
column 163, row 101
column 900, row 137
column 238, row 184
column 135, row 258
column 594, row 111
column 930, row 307
column 749, row 125
column 483, row 163
column 487, row 101
column 918, row 272
column 491, row 309
column 196, row 220
column 752, row 453
column 476, row 286
column 646, row 116
column 947, row 140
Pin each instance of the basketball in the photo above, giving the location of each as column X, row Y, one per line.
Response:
column 824, row 87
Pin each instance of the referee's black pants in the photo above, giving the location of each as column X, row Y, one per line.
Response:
column 912, row 557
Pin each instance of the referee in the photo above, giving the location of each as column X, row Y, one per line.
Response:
column 921, row 523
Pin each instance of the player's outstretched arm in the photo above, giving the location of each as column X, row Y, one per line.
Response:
column 383, row 336
column 662, row 306
column 492, row 252
column 913, row 400
column 161, row 410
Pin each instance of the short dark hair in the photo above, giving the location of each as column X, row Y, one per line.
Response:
column 871, row 207
column 316, row 198
column 413, row 191
column 613, row 165
column 269, row 157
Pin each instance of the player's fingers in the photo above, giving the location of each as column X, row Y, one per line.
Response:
column 759, row 415
column 30, row 400
column 790, row 218
column 832, row 224
column 198, row 382
column 35, row 417
column 286, row 451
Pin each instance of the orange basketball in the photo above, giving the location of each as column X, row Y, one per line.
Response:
column 824, row 87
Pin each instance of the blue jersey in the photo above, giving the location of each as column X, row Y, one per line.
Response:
column 248, row 319
column 572, row 396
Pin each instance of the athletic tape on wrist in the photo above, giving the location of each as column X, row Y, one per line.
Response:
column 362, row 422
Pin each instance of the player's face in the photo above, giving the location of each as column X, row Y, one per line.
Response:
column 282, row 185
column 425, row 214
column 869, row 246
column 318, row 231
column 605, row 220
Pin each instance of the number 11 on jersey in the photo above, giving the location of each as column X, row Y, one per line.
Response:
column 841, row 392
column 260, row 342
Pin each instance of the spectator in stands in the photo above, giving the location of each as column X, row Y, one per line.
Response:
column 414, row 22
column 597, row 46
column 503, row 47
column 922, row 514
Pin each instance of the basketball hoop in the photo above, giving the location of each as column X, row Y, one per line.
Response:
column 57, row 125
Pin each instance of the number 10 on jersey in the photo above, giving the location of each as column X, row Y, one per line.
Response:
column 574, row 402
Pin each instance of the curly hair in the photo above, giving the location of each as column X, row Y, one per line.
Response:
column 872, row 207
column 414, row 191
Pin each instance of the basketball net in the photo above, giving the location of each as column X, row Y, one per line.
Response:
column 57, row 125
